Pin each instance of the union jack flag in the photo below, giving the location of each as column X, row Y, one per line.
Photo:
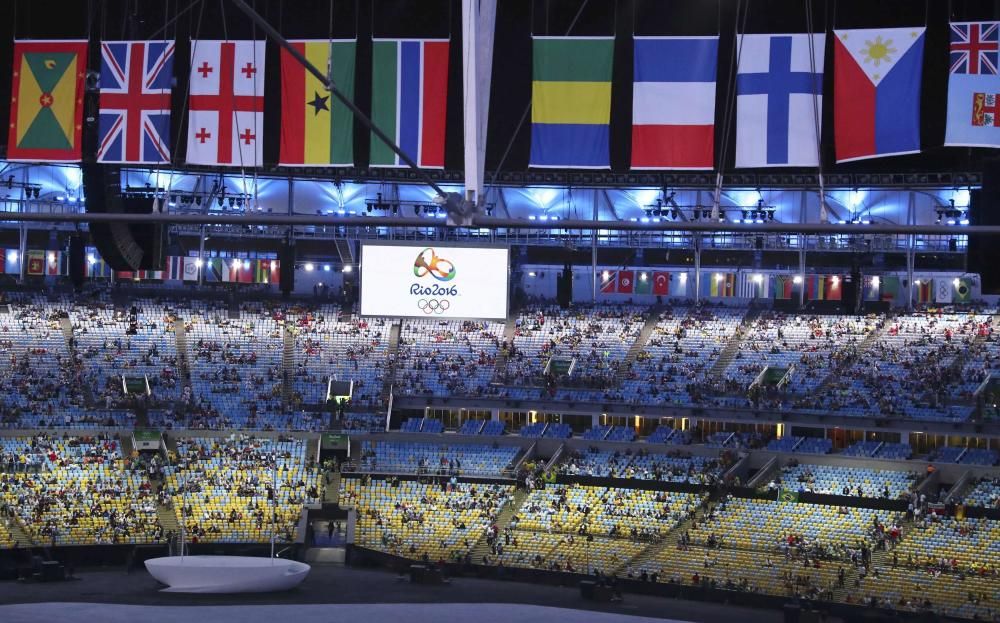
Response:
column 134, row 117
column 974, row 48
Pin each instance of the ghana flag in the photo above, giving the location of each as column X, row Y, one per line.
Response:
column 47, row 101
column 571, row 102
column 317, row 130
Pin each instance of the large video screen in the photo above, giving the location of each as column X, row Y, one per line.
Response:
column 432, row 281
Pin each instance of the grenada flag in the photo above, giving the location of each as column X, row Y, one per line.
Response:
column 46, row 106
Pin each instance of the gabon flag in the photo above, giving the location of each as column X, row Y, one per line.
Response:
column 46, row 107
column 317, row 129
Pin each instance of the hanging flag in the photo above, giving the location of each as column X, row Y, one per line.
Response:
column 925, row 289
column 53, row 263
column 889, row 288
column 644, row 285
column 626, row 281
column 409, row 100
column 190, row 269
column 36, row 263
column 661, row 283
column 779, row 100
column 266, row 272
column 783, row 286
column 609, row 281
column 175, row 267
column 316, row 128
column 226, row 119
column 973, row 85
column 571, row 102
column 673, row 103
column 46, row 106
column 752, row 286
column 134, row 118
column 876, row 92
column 963, row 291
column 943, row 290
column 823, row 288
column 3, row 261
column 719, row 285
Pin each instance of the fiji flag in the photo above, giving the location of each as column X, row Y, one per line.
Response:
column 134, row 118
column 974, row 86
column 779, row 100
column 876, row 92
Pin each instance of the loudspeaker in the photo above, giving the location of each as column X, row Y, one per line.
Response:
column 984, row 209
column 564, row 287
column 124, row 246
column 77, row 261
column 286, row 267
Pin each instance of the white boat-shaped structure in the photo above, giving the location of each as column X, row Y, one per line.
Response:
column 226, row 574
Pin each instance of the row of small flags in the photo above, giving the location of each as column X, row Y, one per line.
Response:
column 779, row 98
column 177, row 268
column 816, row 287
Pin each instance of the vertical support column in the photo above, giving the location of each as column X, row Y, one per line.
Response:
column 201, row 256
column 478, row 28
column 593, row 256
column 697, row 268
column 802, row 274
column 911, row 241
column 22, row 252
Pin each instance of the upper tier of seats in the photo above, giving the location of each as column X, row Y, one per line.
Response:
column 919, row 365
column 427, row 458
column 859, row 481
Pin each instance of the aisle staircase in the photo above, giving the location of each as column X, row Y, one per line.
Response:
column 331, row 492
column 639, row 345
column 650, row 551
column 509, row 329
column 287, row 364
column 389, row 376
column 20, row 535
column 180, row 338
column 66, row 326
column 733, row 345
column 862, row 347
column 481, row 548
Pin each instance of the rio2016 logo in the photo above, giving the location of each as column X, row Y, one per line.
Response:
column 428, row 263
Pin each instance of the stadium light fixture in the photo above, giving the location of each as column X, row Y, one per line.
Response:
column 91, row 259
column 758, row 278
column 52, row 257
column 718, row 276
column 274, row 264
column 605, row 275
column 309, row 267
column 246, row 264
column 916, row 282
column 326, row 268
column 12, row 256
column 684, row 277
column 199, row 263
column 876, row 281
column 955, row 282
column 797, row 279
column 531, row 273
column 642, row 277
column 347, row 268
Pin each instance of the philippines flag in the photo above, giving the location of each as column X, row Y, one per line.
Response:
column 779, row 100
column 673, row 103
column 876, row 92
column 974, row 85
column 409, row 100
column 134, row 117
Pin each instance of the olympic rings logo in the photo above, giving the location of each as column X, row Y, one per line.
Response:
column 433, row 306
column 428, row 263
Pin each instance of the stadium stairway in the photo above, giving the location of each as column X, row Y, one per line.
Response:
column 180, row 338
column 846, row 362
column 481, row 548
column 652, row 318
column 390, row 361
column 19, row 534
column 287, row 364
column 66, row 326
column 733, row 345
column 667, row 541
column 509, row 328
column 331, row 494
